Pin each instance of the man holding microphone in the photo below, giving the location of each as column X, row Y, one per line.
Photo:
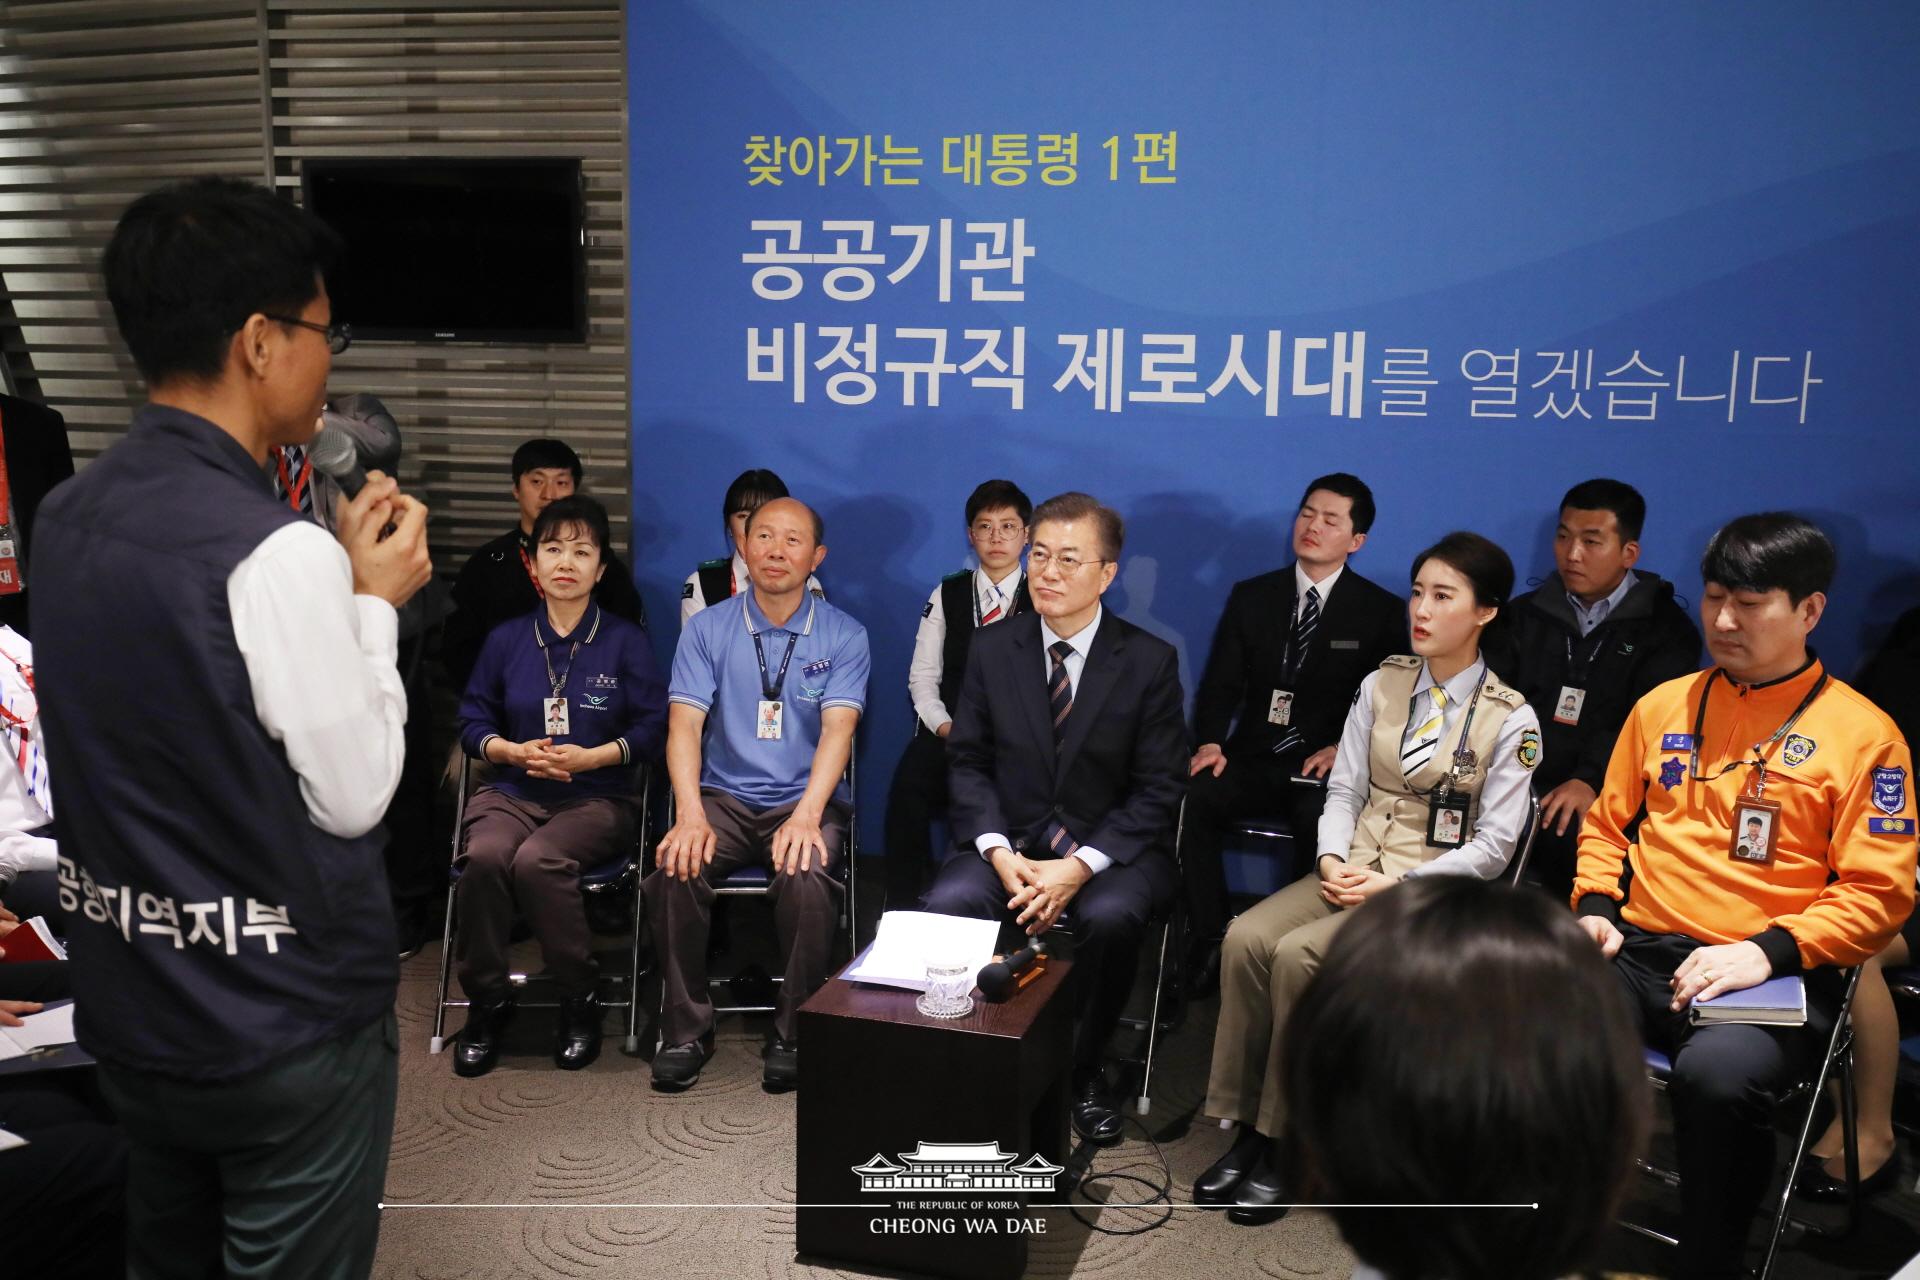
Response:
column 225, row 718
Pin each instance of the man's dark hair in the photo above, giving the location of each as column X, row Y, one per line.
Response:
column 576, row 514
column 819, row 525
column 1628, row 507
column 539, row 455
column 1479, row 560
column 1350, row 487
column 1771, row 551
column 1753, row 821
column 1464, row 1043
column 994, row 494
column 1084, row 506
column 189, row 263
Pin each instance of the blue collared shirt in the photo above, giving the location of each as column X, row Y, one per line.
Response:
column 1589, row 617
column 613, row 692
column 716, row 670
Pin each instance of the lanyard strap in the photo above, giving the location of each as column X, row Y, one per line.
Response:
column 770, row 690
column 557, row 683
column 293, row 486
column 6, row 486
column 1464, row 756
column 526, row 562
column 1761, row 750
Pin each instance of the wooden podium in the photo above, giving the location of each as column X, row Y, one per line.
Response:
column 921, row 1141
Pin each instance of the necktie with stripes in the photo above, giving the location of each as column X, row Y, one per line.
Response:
column 1059, row 689
column 1426, row 739
column 1296, row 652
column 993, row 613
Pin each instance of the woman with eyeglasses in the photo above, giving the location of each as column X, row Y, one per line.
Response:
column 726, row 577
column 1430, row 778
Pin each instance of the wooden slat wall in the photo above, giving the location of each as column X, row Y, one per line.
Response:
column 103, row 99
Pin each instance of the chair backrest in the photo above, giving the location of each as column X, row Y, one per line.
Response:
column 1523, row 849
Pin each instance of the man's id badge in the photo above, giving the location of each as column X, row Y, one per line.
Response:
column 556, row 714
column 1567, row 709
column 1756, row 830
column 1280, row 710
column 1447, row 821
column 767, row 724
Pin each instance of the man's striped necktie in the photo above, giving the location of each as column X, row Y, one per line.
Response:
column 993, row 613
column 1426, row 739
column 1296, row 653
column 1059, row 689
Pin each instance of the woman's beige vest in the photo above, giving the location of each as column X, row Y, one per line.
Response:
column 1391, row 834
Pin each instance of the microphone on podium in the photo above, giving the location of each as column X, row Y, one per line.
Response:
column 1002, row 978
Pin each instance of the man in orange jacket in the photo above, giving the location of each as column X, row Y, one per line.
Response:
column 1690, row 907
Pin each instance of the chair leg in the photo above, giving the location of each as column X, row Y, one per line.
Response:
column 1850, row 1139
column 1144, row 1103
column 1799, row 1151
column 632, row 1043
column 439, row 1038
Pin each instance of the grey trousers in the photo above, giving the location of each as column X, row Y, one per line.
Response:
column 277, row 1174
column 806, row 909
column 1269, row 954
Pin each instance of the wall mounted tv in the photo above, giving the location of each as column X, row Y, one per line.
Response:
column 456, row 250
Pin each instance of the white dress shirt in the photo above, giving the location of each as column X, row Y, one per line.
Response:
column 23, row 808
column 1075, row 662
column 1302, row 584
column 929, row 643
column 1505, row 797
column 321, row 663
column 1589, row 617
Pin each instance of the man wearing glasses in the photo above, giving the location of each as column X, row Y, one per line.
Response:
column 1067, row 755
column 233, row 950
column 997, row 515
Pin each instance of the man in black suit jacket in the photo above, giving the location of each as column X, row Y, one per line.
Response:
column 37, row 458
column 1289, row 654
column 1066, row 752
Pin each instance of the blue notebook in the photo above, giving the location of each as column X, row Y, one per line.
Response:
column 1778, row 1002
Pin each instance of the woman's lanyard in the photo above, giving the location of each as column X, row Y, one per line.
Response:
column 557, row 683
column 1465, row 758
column 526, row 562
column 769, row 689
column 1761, row 750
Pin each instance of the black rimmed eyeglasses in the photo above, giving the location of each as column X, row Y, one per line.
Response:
column 339, row 336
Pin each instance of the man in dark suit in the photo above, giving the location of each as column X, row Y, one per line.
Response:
column 1289, row 654
column 36, row 458
column 1065, row 753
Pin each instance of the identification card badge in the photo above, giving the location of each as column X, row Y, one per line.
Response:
column 1280, row 710
column 556, row 714
column 1756, row 830
column 1567, row 709
column 767, row 725
column 1447, row 821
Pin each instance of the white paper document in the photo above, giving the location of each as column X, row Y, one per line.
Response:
column 47, row 1029
column 908, row 941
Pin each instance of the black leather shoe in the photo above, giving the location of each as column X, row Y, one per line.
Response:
column 578, row 1041
column 1260, row 1198
column 677, row 1066
column 1815, row 1183
column 1203, row 970
column 1222, row 1178
column 782, row 1070
column 477, row 1047
column 1094, row 1113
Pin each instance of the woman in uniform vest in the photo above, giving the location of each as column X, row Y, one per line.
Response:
column 1430, row 778
column 721, row 579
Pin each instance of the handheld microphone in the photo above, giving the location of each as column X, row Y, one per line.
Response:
column 1002, row 978
column 334, row 454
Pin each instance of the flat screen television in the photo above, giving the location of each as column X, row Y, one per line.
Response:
column 453, row 250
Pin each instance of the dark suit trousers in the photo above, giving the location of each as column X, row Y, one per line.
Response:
column 1253, row 785
column 806, row 910
column 63, row 1196
column 919, row 791
column 1724, row 1081
column 1109, row 917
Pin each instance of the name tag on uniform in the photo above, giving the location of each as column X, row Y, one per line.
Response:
column 1280, row 709
column 556, row 714
column 1343, row 644
column 767, row 724
column 1567, row 709
column 1756, row 831
column 1447, row 822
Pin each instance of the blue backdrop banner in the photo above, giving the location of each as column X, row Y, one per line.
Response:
column 1187, row 259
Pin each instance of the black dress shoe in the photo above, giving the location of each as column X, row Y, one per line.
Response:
column 477, row 1047
column 1815, row 1183
column 578, row 1041
column 1203, row 970
column 677, row 1066
column 1222, row 1178
column 1260, row 1198
column 1095, row 1115
column 782, row 1069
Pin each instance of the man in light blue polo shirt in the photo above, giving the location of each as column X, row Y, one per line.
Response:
column 766, row 691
